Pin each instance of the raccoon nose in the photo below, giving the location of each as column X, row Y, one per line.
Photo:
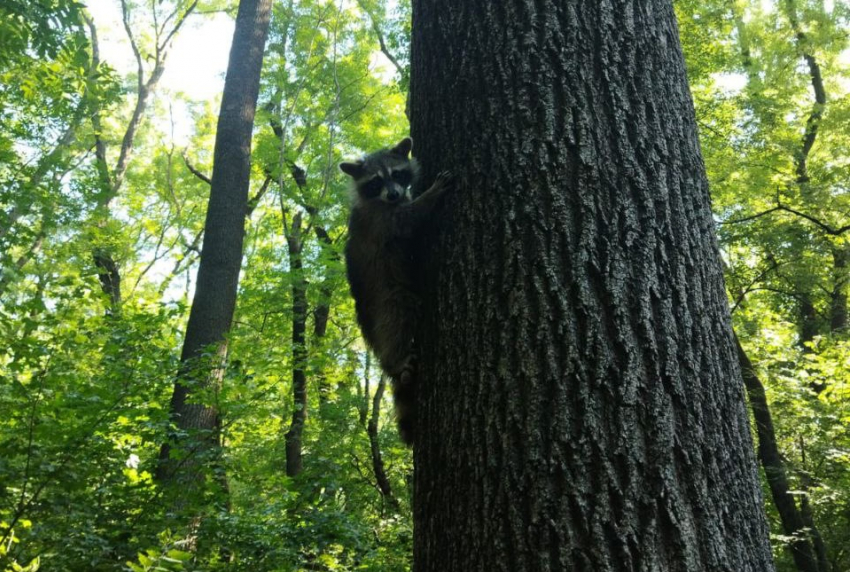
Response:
column 392, row 194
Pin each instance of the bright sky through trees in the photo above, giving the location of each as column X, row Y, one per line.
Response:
column 197, row 61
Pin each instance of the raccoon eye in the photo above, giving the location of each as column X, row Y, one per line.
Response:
column 403, row 178
column 372, row 188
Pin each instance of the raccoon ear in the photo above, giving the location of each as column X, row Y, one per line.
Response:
column 403, row 147
column 354, row 170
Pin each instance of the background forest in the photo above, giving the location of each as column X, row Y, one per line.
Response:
column 103, row 194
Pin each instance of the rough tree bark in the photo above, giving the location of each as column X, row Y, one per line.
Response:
column 580, row 402
column 214, row 302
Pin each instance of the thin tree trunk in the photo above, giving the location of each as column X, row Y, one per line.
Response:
column 793, row 524
column 814, row 533
column 363, row 397
column 794, row 521
column 809, row 326
column 321, row 316
column 322, row 311
column 293, row 437
column 838, row 297
column 813, row 122
column 580, row 404
column 384, row 486
column 808, row 321
column 300, row 355
column 214, row 302
column 808, row 515
column 109, row 274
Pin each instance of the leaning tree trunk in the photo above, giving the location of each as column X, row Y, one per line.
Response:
column 205, row 346
column 792, row 519
column 580, row 402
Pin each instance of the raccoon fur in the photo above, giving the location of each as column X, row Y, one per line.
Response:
column 384, row 219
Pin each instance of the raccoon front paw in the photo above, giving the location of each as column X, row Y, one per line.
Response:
column 444, row 182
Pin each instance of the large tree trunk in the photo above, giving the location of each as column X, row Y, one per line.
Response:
column 205, row 346
column 580, row 402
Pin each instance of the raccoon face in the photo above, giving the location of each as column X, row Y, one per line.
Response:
column 386, row 175
column 390, row 186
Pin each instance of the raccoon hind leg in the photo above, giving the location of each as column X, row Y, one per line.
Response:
column 393, row 344
column 404, row 397
column 392, row 334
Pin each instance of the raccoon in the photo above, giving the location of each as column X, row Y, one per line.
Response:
column 384, row 219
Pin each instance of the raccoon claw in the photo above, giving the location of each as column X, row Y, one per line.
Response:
column 444, row 181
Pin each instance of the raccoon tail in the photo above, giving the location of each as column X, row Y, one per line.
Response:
column 404, row 395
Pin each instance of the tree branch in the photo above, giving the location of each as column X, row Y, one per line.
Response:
column 145, row 88
column 749, row 218
column 163, row 48
column 816, row 114
column 751, row 286
column 255, row 200
column 195, row 171
column 822, row 225
column 826, row 228
column 381, row 41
